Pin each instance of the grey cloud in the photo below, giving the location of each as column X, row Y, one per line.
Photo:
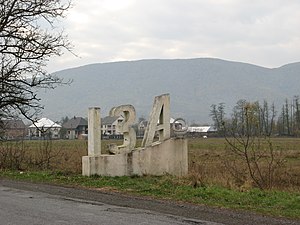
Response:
column 254, row 31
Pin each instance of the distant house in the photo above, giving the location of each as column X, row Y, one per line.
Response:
column 201, row 131
column 13, row 129
column 143, row 124
column 44, row 128
column 109, row 125
column 76, row 128
column 141, row 128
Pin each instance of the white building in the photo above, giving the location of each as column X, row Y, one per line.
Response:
column 109, row 125
column 201, row 130
column 44, row 128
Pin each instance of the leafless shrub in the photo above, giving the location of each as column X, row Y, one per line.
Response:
column 197, row 174
column 43, row 157
column 12, row 155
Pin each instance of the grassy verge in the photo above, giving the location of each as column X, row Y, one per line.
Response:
column 275, row 203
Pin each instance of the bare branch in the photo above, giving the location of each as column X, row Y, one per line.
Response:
column 28, row 38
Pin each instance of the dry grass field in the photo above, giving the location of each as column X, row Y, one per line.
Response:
column 208, row 160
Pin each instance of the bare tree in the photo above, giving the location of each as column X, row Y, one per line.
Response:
column 287, row 117
column 249, row 146
column 28, row 38
column 296, row 115
column 217, row 114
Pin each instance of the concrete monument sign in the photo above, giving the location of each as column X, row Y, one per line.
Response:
column 94, row 125
column 161, row 113
column 165, row 156
column 125, row 127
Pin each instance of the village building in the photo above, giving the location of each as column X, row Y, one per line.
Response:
column 44, row 128
column 76, row 128
column 141, row 128
column 201, row 131
column 13, row 129
column 109, row 125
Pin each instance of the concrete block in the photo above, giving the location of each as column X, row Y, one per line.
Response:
column 168, row 157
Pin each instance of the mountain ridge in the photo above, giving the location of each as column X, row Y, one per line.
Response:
column 161, row 59
column 193, row 84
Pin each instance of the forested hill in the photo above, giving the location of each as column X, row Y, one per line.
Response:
column 194, row 85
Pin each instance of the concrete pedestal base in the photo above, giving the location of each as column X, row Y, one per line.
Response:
column 168, row 157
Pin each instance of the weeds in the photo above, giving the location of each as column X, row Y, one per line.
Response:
column 210, row 163
column 12, row 155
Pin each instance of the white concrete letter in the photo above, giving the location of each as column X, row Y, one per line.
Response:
column 94, row 132
column 128, row 132
column 159, row 120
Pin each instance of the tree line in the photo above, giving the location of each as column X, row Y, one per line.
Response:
column 260, row 119
column 248, row 133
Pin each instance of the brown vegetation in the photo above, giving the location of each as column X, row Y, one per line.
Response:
column 212, row 163
column 209, row 160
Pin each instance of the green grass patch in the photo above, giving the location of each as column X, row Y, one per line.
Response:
column 274, row 203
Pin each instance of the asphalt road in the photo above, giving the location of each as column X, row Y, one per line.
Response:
column 25, row 203
column 28, row 208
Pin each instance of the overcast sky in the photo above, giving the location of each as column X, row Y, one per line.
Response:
column 261, row 32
